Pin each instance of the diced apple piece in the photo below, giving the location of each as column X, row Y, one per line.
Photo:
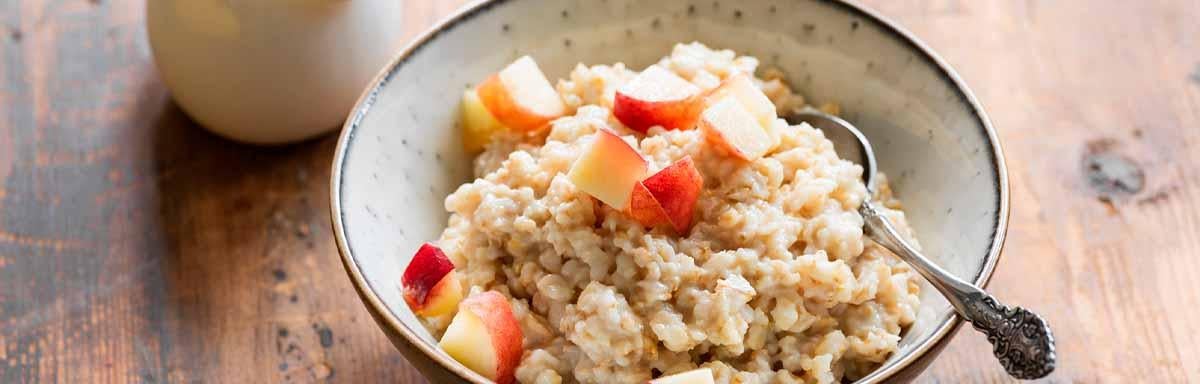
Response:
column 728, row 125
column 478, row 124
column 520, row 97
column 752, row 98
column 645, row 209
column 443, row 298
column 485, row 337
column 431, row 287
column 657, row 97
column 676, row 189
column 695, row 376
column 608, row 169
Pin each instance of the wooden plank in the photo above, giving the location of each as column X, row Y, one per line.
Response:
column 1067, row 82
column 135, row 247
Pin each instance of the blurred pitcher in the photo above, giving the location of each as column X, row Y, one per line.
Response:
column 271, row 71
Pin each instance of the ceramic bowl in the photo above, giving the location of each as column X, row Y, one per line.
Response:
column 399, row 154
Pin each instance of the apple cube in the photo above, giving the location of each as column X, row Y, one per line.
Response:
column 608, row 169
column 520, row 97
column 657, row 97
column 732, row 128
column 431, row 287
column 676, row 189
column 478, row 124
column 485, row 337
column 695, row 376
column 752, row 98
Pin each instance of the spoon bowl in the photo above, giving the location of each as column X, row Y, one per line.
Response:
column 849, row 143
column 1021, row 340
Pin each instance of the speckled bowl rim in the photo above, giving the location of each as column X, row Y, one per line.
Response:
column 367, row 99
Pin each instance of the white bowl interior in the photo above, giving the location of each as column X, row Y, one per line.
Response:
column 402, row 154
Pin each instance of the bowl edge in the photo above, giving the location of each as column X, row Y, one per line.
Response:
column 384, row 316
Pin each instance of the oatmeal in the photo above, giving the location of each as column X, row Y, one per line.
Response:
column 772, row 281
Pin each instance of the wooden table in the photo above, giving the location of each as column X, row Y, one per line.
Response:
column 135, row 247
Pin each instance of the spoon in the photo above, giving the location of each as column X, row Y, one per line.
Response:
column 1021, row 340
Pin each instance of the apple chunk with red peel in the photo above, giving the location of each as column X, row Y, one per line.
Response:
column 657, row 97
column 676, row 189
column 742, row 88
column 430, row 285
column 695, row 376
column 485, row 337
column 520, row 97
column 608, row 169
column 645, row 209
column 728, row 125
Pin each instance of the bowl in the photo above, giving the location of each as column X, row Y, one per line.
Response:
column 399, row 154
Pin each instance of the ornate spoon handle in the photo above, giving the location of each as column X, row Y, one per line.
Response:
column 1020, row 339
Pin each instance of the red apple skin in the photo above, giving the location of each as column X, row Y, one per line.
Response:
column 427, row 268
column 520, row 97
column 640, row 115
column 496, row 313
column 646, row 210
column 500, row 103
column 676, row 189
column 658, row 97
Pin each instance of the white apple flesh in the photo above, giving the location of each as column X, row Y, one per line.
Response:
column 485, row 337
column 520, row 97
column 695, row 376
column 608, row 169
column 478, row 124
column 728, row 125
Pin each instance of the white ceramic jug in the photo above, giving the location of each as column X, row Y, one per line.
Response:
column 271, row 71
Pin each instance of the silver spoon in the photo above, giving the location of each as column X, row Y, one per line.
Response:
column 1021, row 340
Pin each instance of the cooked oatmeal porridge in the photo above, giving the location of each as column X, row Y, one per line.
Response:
column 772, row 281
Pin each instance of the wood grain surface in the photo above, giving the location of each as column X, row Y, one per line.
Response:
column 136, row 247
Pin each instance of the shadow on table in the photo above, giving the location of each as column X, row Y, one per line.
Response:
column 251, row 272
